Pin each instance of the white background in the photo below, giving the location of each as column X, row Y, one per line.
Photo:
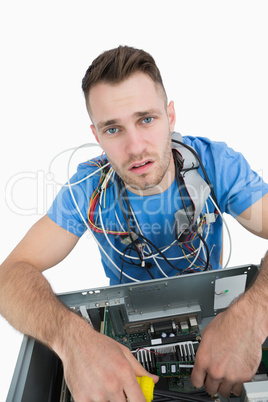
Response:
column 213, row 59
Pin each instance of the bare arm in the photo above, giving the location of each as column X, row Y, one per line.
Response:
column 230, row 350
column 93, row 363
column 22, row 282
column 255, row 218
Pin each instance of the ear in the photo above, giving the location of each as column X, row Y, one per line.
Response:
column 171, row 115
column 94, row 131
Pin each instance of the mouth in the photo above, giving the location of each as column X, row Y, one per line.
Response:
column 141, row 167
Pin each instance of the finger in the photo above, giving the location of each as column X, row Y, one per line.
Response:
column 120, row 398
column 225, row 389
column 198, row 376
column 133, row 390
column 114, row 398
column 237, row 389
column 212, row 385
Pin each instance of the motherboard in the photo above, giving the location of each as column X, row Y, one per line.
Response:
column 165, row 347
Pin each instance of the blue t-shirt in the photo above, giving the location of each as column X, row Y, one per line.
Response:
column 235, row 185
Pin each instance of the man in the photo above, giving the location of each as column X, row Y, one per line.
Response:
column 133, row 122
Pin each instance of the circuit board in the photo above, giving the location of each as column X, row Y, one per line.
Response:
column 163, row 346
column 166, row 348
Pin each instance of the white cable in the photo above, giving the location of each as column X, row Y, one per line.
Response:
column 85, row 222
column 154, row 256
column 157, row 255
column 196, row 253
column 118, row 221
column 201, row 243
column 151, row 256
column 105, row 232
column 227, row 228
column 75, row 149
column 201, row 246
column 158, row 266
column 149, row 251
column 87, row 177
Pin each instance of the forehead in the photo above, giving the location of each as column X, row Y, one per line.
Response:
column 139, row 92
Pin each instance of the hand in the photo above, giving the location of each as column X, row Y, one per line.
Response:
column 230, row 350
column 99, row 369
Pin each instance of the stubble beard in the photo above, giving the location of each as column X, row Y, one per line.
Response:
column 152, row 178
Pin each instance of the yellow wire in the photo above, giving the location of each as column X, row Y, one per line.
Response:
column 104, row 198
column 91, row 201
column 186, row 256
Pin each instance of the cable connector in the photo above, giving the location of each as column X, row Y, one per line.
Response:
column 210, row 218
column 223, row 292
column 127, row 239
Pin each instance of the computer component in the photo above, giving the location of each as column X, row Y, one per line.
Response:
column 161, row 321
column 255, row 391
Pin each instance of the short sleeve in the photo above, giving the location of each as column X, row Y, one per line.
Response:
column 69, row 209
column 235, row 184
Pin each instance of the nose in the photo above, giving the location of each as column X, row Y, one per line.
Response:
column 135, row 142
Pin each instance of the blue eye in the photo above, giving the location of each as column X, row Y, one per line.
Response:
column 147, row 120
column 112, row 130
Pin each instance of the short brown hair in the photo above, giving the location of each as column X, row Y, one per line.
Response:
column 116, row 65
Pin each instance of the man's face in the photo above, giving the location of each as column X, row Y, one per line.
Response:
column 132, row 124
